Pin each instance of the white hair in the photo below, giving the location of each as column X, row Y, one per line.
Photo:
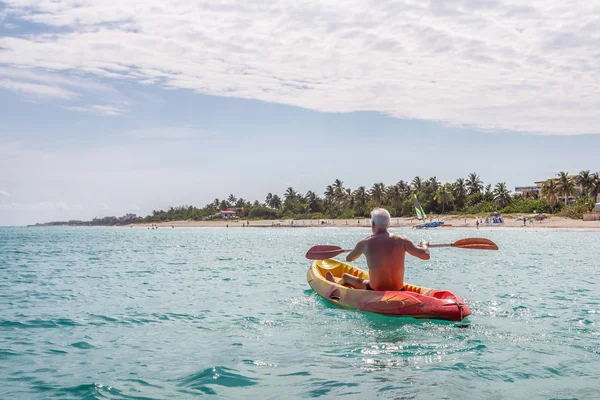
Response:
column 381, row 218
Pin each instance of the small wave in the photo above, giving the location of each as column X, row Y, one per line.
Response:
column 86, row 391
column 54, row 351
column 143, row 383
column 325, row 387
column 259, row 363
column 220, row 376
column 82, row 345
column 38, row 323
column 6, row 353
column 300, row 373
column 105, row 318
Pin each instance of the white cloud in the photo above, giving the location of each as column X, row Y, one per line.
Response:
column 51, row 86
column 4, row 193
column 28, row 74
column 106, row 110
column 495, row 64
column 37, row 89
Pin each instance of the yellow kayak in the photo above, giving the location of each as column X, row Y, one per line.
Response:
column 413, row 301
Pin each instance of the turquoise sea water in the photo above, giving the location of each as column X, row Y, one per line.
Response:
column 131, row 313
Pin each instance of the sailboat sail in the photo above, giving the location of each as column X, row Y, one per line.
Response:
column 420, row 212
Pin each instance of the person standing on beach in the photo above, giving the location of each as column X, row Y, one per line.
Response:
column 385, row 255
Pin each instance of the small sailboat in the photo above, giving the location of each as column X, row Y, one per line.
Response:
column 422, row 216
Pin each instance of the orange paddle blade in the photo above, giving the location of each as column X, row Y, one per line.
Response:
column 323, row 252
column 475, row 243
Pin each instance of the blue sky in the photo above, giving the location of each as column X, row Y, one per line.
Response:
column 113, row 107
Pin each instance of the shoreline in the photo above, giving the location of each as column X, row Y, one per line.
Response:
column 451, row 223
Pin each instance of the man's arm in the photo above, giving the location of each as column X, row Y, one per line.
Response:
column 421, row 251
column 359, row 249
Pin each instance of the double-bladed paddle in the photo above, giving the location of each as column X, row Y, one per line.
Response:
column 325, row 251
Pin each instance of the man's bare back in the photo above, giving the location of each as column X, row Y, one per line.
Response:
column 385, row 256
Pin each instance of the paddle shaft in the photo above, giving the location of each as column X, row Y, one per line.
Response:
column 323, row 252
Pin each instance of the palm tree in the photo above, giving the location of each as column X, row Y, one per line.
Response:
column 329, row 194
column 550, row 192
column 474, row 184
column 275, row 202
column 596, row 188
column 377, row 193
column 395, row 197
column 290, row 193
column 417, row 183
column 565, row 185
column 444, row 195
column 312, row 201
column 268, row 199
column 501, row 195
column 586, row 182
column 460, row 188
column 224, row 205
column 231, row 199
column 339, row 194
column 404, row 188
column 488, row 195
column 338, row 188
column 240, row 203
column 361, row 195
column 433, row 183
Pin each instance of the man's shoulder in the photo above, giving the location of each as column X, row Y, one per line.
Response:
column 399, row 237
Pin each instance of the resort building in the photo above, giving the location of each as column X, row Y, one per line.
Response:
column 231, row 212
column 529, row 191
column 127, row 217
column 536, row 191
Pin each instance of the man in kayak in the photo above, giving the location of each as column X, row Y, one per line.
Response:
column 385, row 256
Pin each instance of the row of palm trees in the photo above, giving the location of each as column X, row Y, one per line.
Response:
column 434, row 196
column 463, row 195
column 585, row 185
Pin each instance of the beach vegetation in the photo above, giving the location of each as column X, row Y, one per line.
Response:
column 465, row 196
column 474, row 184
column 565, row 185
column 262, row 212
column 526, row 206
column 550, row 192
column 501, row 195
column 575, row 211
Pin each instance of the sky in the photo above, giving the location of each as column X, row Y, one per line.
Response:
column 109, row 107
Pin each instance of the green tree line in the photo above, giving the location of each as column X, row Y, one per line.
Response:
column 464, row 196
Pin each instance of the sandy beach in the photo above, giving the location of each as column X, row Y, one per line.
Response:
column 450, row 222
